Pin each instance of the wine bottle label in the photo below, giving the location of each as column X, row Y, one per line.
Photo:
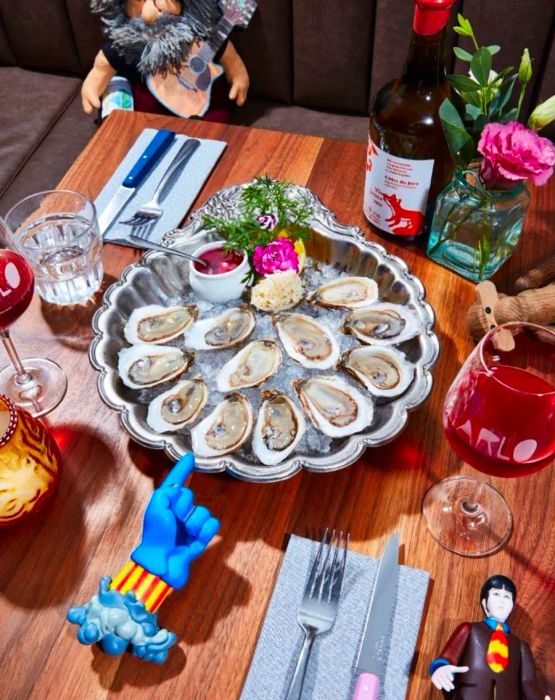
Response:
column 396, row 191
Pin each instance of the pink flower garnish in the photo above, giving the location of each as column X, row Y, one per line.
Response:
column 277, row 256
column 513, row 153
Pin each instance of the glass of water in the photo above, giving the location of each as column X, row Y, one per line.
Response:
column 57, row 232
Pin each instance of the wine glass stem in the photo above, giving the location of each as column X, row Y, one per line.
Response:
column 22, row 376
column 471, row 506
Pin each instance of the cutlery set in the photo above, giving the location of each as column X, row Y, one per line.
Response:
column 320, row 604
column 143, row 221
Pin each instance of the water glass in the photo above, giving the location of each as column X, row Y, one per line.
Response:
column 57, row 232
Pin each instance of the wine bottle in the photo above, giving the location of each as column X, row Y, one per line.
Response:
column 408, row 161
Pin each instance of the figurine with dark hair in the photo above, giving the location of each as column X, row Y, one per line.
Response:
column 484, row 660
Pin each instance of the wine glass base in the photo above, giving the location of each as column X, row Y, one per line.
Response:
column 41, row 391
column 464, row 524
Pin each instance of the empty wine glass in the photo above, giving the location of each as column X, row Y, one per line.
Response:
column 34, row 384
column 499, row 417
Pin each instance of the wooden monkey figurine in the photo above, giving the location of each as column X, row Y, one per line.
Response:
column 485, row 660
column 534, row 302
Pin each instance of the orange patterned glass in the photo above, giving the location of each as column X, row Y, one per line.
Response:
column 29, row 463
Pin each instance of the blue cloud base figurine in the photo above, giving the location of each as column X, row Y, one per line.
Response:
column 123, row 613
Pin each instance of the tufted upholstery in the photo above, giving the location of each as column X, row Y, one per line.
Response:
column 314, row 67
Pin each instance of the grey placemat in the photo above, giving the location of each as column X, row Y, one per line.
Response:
column 177, row 203
column 330, row 674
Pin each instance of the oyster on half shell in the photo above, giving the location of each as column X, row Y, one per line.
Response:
column 279, row 428
column 145, row 365
column 334, row 406
column 223, row 331
column 307, row 340
column 226, row 429
column 383, row 324
column 251, row 366
column 178, row 406
column 384, row 371
column 346, row 293
column 159, row 324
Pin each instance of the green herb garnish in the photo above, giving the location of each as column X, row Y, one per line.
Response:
column 264, row 197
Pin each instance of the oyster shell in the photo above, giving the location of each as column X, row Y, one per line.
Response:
column 335, row 407
column 178, row 406
column 307, row 341
column 251, row 366
column 279, row 428
column 384, row 371
column 383, row 324
column 225, row 429
column 144, row 365
column 159, row 324
column 346, row 293
column 223, row 331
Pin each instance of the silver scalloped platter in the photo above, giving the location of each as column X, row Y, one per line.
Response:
column 158, row 277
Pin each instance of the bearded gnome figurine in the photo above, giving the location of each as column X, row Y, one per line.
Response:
column 170, row 51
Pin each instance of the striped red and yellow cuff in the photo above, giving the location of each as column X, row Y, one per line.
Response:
column 147, row 587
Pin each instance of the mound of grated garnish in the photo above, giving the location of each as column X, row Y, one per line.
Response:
column 277, row 292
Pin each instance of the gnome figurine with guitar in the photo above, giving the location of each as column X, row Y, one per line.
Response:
column 171, row 52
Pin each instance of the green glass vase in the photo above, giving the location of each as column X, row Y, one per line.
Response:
column 475, row 230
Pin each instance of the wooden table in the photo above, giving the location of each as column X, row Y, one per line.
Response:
column 57, row 560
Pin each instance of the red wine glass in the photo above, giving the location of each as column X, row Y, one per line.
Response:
column 34, row 384
column 499, row 417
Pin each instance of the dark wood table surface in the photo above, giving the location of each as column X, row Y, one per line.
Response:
column 56, row 560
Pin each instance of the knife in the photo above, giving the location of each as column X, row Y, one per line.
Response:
column 155, row 149
column 374, row 648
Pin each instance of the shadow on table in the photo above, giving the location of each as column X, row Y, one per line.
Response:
column 43, row 558
column 72, row 324
column 133, row 672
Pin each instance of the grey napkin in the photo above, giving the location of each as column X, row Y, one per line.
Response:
column 179, row 200
column 331, row 667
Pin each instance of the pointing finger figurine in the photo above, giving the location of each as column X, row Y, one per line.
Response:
column 123, row 614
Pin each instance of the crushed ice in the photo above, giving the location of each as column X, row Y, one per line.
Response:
column 208, row 362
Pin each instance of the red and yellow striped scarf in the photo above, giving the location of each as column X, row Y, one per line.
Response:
column 497, row 656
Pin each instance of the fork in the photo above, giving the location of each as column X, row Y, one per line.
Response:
column 144, row 218
column 320, row 602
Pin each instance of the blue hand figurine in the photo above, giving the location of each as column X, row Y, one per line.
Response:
column 123, row 612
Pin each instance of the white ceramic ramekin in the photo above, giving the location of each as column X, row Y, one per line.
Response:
column 218, row 288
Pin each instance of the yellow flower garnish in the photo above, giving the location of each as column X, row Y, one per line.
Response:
column 299, row 248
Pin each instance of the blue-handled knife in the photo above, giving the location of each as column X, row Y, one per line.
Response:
column 138, row 173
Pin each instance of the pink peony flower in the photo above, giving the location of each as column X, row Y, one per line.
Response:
column 513, row 153
column 277, row 256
